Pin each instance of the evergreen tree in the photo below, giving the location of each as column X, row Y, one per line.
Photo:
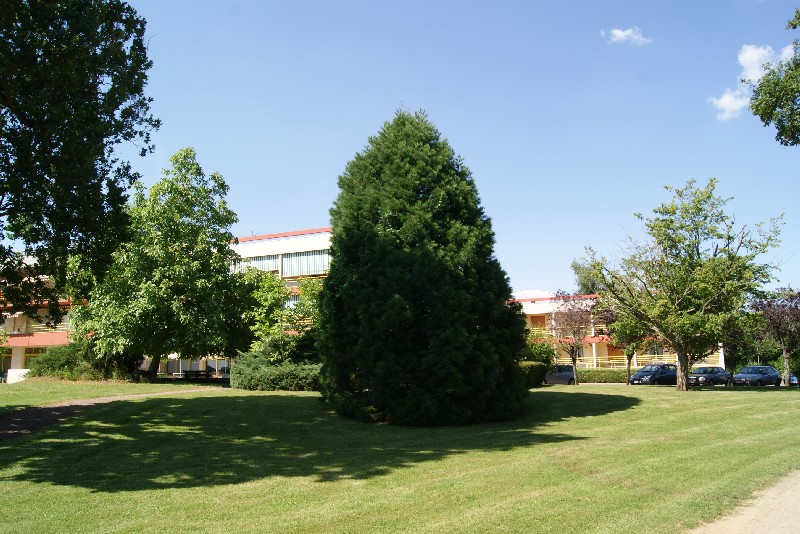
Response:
column 416, row 322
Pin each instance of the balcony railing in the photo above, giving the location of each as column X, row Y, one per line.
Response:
column 37, row 328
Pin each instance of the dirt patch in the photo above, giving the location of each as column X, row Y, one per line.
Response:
column 24, row 421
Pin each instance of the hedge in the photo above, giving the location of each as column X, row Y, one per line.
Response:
column 534, row 373
column 604, row 376
column 257, row 374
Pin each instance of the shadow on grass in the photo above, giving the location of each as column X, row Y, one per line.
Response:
column 213, row 440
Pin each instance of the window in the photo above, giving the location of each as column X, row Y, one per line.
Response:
column 5, row 360
column 314, row 262
column 31, row 353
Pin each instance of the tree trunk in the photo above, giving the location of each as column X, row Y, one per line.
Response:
column 152, row 368
column 787, row 369
column 575, row 368
column 628, row 359
column 683, row 371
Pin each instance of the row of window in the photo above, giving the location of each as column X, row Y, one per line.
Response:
column 291, row 265
column 30, row 354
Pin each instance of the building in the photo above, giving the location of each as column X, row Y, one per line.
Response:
column 598, row 351
column 294, row 255
column 290, row 255
column 27, row 338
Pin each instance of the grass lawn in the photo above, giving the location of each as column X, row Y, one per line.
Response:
column 582, row 459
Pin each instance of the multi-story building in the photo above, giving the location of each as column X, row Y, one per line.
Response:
column 26, row 339
column 597, row 349
column 290, row 255
column 304, row 253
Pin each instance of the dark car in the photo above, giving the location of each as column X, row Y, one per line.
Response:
column 656, row 373
column 757, row 375
column 560, row 374
column 710, row 376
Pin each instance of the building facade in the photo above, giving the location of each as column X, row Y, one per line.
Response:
column 294, row 255
column 597, row 350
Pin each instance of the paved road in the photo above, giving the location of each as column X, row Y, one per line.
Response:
column 770, row 511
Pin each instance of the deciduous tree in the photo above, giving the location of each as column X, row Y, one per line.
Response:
column 693, row 273
column 72, row 79
column 776, row 96
column 572, row 323
column 781, row 311
column 417, row 322
column 170, row 288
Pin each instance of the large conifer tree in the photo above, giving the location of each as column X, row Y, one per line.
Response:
column 417, row 327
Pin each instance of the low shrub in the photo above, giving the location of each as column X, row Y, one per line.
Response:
column 77, row 361
column 260, row 374
column 604, row 376
column 534, row 373
column 64, row 362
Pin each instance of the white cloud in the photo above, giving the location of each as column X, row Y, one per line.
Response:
column 531, row 294
column 752, row 59
column 731, row 103
column 630, row 36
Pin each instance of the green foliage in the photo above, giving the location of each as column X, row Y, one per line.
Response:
column 586, row 279
column 76, row 361
column 417, row 326
column 170, row 288
column 257, row 373
column 776, row 96
column 682, row 286
column 72, row 76
column 268, row 317
column 538, row 350
column 781, row 320
column 534, row 372
column 282, row 332
column 602, row 376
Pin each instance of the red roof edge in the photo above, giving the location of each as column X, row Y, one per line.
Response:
column 539, row 299
column 284, row 234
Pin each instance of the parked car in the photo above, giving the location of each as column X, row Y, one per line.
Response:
column 560, row 374
column 710, row 376
column 757, row 375
column 793, row 381
column 656, row 373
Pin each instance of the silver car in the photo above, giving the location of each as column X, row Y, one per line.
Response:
column 757, row 375
column 560, row 374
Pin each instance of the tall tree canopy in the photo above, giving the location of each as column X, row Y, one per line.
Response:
column 72, row 78
column 170, row 288
column 417, row 326
column 776, row 96
column 689, row 278
column 585, row 277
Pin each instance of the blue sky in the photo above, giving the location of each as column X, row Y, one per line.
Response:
column 572, row 116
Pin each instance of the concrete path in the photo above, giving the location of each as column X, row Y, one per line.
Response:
column 775, row 510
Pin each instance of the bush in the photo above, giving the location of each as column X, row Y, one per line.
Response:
column 77, row 361
column 256, row 373
column 534, row 373
column 66, row 362
column 539, row 351
column 603, row 376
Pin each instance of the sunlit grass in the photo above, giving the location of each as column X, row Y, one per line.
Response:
column 582, row 459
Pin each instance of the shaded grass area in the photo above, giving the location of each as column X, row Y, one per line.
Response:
column 585, row 459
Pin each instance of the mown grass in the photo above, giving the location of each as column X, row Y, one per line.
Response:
column 42, row 391
column 582, row 459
